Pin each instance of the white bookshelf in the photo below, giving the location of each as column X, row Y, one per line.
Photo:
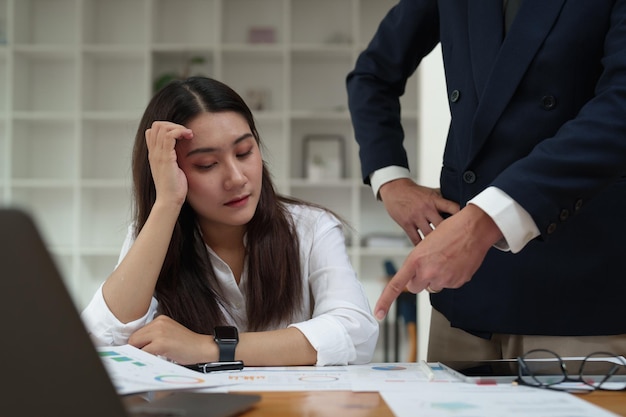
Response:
column 75, row 76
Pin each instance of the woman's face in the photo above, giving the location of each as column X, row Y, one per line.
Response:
column 224, row 169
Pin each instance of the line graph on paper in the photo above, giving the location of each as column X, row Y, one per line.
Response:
column 297, row 378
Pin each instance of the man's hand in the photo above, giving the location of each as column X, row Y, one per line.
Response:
column 447, row 258
column 415, row 207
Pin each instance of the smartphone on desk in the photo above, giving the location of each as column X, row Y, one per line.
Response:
column 216, row 366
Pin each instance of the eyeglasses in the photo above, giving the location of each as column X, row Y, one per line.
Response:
column 542, row 368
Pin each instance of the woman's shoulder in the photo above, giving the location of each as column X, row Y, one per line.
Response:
column 302, row 211
column 310, row 216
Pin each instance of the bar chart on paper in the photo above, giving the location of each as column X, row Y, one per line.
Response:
column 132, row 371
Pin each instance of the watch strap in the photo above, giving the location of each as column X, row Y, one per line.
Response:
column 227, row 351
column 226, row 338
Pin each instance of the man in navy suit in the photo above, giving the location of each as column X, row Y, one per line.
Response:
column 525, row 241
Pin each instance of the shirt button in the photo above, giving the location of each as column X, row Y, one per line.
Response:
column 551, row 228
column 469, row 177
column 455, row 96
column 548, row 102
column 578, row 205
column 564, row 215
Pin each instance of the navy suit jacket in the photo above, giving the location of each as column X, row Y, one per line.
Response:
column 540, row 113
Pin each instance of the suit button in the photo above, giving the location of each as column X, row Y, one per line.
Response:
column 564, row 215
column 455, row 96
column 548, row 102
column 551, row 228
column 469, row 177
column 578, row 205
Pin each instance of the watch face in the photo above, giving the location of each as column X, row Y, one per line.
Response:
column 226, row 333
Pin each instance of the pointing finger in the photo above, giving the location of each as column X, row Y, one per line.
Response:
column 392, row 290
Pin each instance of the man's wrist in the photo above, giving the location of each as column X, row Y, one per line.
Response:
column 385, row 175
column 389, row 186
column 484, row 226
column 515, row 223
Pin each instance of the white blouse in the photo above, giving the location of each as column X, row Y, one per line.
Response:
column 335, row 315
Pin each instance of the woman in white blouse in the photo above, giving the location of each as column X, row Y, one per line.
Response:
column 212, row 244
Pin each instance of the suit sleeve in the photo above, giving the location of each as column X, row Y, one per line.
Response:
column 408, row 32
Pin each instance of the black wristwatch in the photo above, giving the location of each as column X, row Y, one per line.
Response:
column 226, row 338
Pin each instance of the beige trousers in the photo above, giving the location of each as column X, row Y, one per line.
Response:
column 447, row 343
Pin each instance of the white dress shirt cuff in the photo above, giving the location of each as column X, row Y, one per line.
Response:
column 516, row 225
column 107, row 330
column 330, row 339
column 384, row 175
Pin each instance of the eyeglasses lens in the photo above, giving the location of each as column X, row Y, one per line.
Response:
column 542, row 368
column 604, row 370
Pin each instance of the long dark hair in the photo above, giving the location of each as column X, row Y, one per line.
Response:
column 187, row 288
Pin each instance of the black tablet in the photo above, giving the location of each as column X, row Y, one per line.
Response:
column 506, row 370
column 493, row 371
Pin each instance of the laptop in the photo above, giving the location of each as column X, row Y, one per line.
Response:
column 49, row 363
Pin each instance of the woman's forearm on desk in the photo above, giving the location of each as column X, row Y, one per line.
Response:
column 284, row 347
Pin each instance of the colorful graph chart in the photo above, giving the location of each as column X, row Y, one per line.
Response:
column 133, row 370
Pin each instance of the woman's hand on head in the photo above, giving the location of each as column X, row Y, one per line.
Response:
column 167, row 338
column 169, row 180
